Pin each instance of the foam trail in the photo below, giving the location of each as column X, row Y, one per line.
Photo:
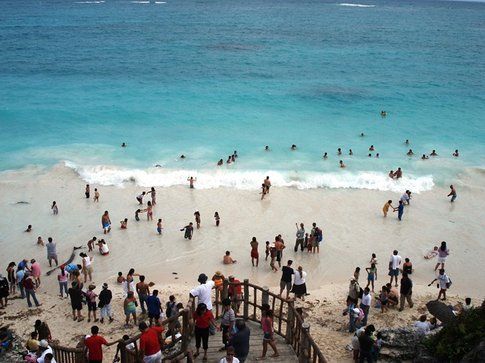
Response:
column 249, row 179
column 357, row 5
column 140, row 2
column 89, row 2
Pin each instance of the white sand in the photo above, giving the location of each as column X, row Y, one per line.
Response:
column 351, row 220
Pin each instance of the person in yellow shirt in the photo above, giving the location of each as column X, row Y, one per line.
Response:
column 386, row 207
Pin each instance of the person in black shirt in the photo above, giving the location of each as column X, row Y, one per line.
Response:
column 406, row 291
column 366, row 344
column 76, row 295
column 285, row 283
column 105, row 297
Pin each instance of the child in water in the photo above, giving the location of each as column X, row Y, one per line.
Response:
column 124, row 223
column 267, row 251
column 159, row 226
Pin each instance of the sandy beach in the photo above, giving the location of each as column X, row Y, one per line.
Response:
column 352, row 223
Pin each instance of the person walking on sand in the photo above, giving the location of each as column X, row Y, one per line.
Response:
column 264, row 190
column 406, row 292
column 91, row 244
column 154, row 307
column 286, row 279
column 54, row 208
column 191, row 181
column 400, row 210
column 87, row 266
column 444, row 284
column 106, row 222
column 394, row 263
column 254, row 252
column 197, row 218
column 268, row 334
column 300, row 237
column 386, row 207
column 267, row 184
column 51, row 252
column 217, row 218
column 30, row 287
column 443, row 253
column 87, row 191
column 94, row 346
column 96, row 195
column 272, row 252
column 452, row 193
column 365, row 305
column 159, row 226
column 62, row 277
column 104, row 304
column 189, row 230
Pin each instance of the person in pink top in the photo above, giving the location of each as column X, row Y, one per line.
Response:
column 35, row 271
column 268, row 333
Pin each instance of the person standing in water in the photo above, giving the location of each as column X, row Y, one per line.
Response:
column 197, row 218
column 96, row 195
column 87, row 191
column 149, row 211
column 54, row 208
column 106, row 222
column 267, row 183
column 300, row 237
column 189, row 230
column 217, row 218
column 159, row 226
column 153, row 194
column 254, row 252
column 264, row 190
column 452, row 193
column 191, row 181
column 400, row 210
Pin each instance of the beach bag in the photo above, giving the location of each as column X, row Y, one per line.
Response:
column 448, row 284
column 212, row 330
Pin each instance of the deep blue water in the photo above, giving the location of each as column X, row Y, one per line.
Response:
column 204, row 78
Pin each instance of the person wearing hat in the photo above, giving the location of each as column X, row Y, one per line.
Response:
column 44, row 349
column 218, row 279
column 104, row 303
column 203, row 291
column 354, row 291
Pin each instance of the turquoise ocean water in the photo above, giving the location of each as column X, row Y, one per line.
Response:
column 205, row 78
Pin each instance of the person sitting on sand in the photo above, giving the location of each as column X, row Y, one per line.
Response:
column 432, row 254
column 456, row 154
column 386, row 207
column 189, row 230
column 227, row 259
column 410, row 152
column 383, row 298
column 103, row 247
column 29, row 228
column 393, row 295
column 120, row 279
column 341, row 163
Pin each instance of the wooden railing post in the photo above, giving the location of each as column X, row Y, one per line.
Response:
column 185, row 330
column 246, row 300
column 289, row 323
column 225, row 286
column 304, row 355
column 265, row 295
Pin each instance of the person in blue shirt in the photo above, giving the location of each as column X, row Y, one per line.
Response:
column 400, row 210
column 154, row 307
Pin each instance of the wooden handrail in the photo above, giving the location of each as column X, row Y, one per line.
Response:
column 289, row 325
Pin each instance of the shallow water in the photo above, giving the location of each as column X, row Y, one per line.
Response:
column 207, row 78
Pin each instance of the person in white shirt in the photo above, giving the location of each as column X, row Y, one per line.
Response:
column 422, row 326
column 365, row 304
column 299, row 286
column 44, row 349
column 406, row 197
column 394, row 263
column 444, row 283
column 203, row 291
column 229, row 358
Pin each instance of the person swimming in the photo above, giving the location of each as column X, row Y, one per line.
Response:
column 377, row 155
column 325, row 156
column 229, row 159
column 123, row 144
column 424, row 157
column 456, row 154
column 351, row 152
column 370, row 155
column 220, row 162
column 433, row 153
column 383, row 113
column 371, row 148
column 410, row 152
column 341, row 163
column 266, row 148
column 182, row 156
column 406, row 142
column 362, row 134
column 293, row 147
column 391, row 174
column 339, row 151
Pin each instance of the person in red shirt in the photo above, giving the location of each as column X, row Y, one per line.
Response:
column 150, row 344
column 94, row 346
column 203, row 319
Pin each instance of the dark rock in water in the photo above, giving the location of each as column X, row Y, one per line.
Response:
column 475, row 355
column 440, row 311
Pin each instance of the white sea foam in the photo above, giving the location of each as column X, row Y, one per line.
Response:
column 357, row 5
column 160, row 2
column 249, row 180
column 89, row 2
column 140, row 2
